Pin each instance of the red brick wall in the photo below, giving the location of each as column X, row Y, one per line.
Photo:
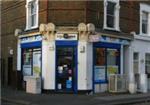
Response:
column 66, row 12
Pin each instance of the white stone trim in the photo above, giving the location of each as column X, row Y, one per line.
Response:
column 144, row 8
column 28, row 27
column 18, row 56
column 142, row 37
column 116, row 21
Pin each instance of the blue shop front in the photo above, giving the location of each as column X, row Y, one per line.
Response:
column 29, row 56
column 107, row 59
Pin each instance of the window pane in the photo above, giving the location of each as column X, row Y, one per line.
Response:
column 100, row 56
column 112, row 61
column 112, row 55
column 110, row 14
column 111, row 8
column 27, row 62
column 33, row 20
column 144, row 28
column 136, row 62
column 33, row 7
column 135, row 56
column 110, row 21
column 147, row 63
column 32, row 13
column 144, row 22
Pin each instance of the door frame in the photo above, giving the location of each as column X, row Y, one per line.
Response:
column 74, row 45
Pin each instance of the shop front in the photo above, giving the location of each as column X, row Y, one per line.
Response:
column 107, row 60
column 71, row 59
column 30, row 55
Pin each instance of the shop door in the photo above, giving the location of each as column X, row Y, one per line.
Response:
column 65, row 69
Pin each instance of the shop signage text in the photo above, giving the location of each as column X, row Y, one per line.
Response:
column 64, row 36
column 94, row 38
column 31, row 39
column 114, row 40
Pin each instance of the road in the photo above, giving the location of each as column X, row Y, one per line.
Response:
column 8, row 103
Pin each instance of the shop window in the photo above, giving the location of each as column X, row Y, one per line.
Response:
column 27, row 62
column 147, row 63
column 112, row 61
column 106, row 63
column 111, row 14
column 31, row 14
column 31, row 62
column 100, row 56
column 144, row 19
column 136, row 62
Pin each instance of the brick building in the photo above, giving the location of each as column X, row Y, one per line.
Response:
column 113, row 22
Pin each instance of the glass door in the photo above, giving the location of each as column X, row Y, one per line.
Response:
column 65, row 69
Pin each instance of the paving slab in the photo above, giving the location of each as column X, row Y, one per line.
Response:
column 23, row 98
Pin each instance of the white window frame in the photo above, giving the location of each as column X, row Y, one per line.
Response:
column 117, row 15
column 28, row 27
column 145, row 8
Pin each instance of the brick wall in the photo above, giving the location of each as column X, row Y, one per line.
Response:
column 66, row 12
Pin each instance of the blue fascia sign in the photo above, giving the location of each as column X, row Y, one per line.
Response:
column 29, row 39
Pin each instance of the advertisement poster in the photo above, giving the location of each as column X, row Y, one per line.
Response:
column 36, row 63
column 99, row 73
column 26, row 70
column 112, row 69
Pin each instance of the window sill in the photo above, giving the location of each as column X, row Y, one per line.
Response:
column 112, row 29
column 31, row 28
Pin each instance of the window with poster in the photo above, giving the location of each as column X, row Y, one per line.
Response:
column 112, row 61
column 107, row 61
column 31, row 64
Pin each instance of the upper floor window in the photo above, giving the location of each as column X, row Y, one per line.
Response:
column 111, row 14
column 31, row 14
column 144, row 19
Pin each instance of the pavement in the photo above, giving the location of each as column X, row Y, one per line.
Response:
column 10, row 96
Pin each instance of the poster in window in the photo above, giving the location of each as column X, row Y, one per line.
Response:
column 26, row 70
column 112, row 69
column 36, row 63
column 99, row 73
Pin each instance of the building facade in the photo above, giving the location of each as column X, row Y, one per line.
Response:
column 72, row 45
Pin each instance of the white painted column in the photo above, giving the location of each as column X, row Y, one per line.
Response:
column 48, row 64
column 82, row 59
column 129, row 69
column 84, row 65
column 143, row 76
column 18, row 56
